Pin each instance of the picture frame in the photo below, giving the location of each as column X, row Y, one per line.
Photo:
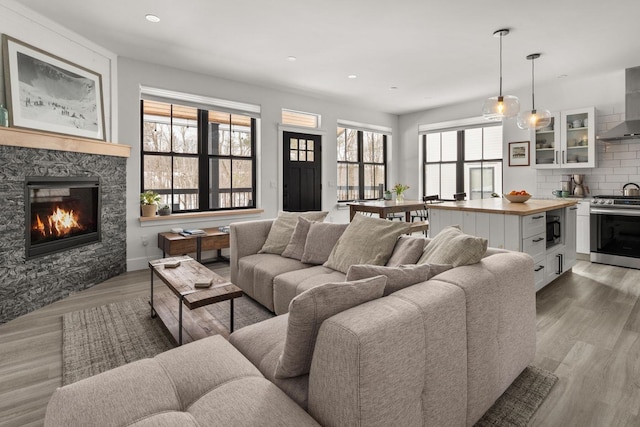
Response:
column 519, row 153
column 47, row 93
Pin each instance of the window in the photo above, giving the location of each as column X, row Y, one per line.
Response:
column 361, row 164
column 464, row 160
column 298, row 118
column 196, row 159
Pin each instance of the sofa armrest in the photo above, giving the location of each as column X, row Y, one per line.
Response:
column 246, row 238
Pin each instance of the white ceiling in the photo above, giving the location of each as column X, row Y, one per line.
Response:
column 435, row 52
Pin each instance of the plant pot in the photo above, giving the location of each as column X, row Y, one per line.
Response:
column 164, row 211
column 148, row 210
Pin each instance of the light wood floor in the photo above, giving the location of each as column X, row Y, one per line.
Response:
column 588, row 334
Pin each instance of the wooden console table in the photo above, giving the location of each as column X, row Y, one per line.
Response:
column 176, row 244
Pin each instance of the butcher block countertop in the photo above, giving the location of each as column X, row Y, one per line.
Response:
column 504, row 207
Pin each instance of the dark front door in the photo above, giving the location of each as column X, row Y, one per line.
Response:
column 302, row 174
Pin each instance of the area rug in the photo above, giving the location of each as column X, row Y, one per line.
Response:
column 105, row 337
column 520, row 401
column 101, row 338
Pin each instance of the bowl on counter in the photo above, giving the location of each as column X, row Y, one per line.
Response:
column 517, row 199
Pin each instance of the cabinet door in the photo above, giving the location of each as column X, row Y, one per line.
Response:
column 554, row 265
column 545, row 145
column 578, row 148
column 571, row 214
column 582, row 234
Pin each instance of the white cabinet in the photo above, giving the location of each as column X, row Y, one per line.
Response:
column 568, row 142
column 583, row 227
column 570, row 216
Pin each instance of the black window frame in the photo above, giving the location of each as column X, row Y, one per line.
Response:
column 460, row 161
column 361, row 163
column 203, row 156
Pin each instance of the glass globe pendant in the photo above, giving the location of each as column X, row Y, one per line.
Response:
column 500, row 107
column 534, row 119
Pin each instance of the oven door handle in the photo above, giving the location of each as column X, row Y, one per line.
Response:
column 623, row 212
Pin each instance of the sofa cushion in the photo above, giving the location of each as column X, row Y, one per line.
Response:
column 366, row 240
column 321, row 239
column 397, row 277
column 407, row 250
column 287, row 285
column 262, row 344
column 256, row 273
column 206, row 382
column 295, row 247
column 308, row 310
column 282, row 229
column 452, row 246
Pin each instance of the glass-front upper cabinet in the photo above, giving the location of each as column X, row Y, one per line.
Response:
column 546, row 148
column 568, row 142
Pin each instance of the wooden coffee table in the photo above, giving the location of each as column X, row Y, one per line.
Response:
column 180, row 281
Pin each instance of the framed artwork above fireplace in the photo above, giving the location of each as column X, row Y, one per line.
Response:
column 48, row 93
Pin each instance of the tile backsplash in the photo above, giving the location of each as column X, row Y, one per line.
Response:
column 617, row 164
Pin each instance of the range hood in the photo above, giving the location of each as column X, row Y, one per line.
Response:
column 630, row 128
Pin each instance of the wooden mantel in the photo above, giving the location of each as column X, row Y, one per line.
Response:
column 51, row 141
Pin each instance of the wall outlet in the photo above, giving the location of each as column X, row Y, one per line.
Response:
column 144, row 240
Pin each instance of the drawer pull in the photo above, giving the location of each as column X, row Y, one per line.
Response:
column 537, row 217
column 539, row 239
column 540, row 267
column 573, row 209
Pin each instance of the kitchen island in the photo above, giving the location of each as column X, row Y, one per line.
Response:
column 545, row 229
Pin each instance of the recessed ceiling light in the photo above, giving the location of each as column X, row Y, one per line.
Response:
column 291, row 58
column 352, row 76
column 562, row 76
column 152, row 18
column 393, row 87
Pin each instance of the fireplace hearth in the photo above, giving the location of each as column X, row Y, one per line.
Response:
column 61, row 213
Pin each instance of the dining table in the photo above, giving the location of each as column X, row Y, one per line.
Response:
column 385, row 207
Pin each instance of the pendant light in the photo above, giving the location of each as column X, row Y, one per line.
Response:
column 500, row 107
column 534, row 119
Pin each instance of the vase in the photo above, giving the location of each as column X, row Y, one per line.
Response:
column 399, row 198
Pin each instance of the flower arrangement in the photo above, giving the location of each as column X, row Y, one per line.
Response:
column 399, row 189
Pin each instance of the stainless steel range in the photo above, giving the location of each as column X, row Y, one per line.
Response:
column 615, row 230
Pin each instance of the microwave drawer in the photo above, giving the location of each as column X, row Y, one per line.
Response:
column 534, row 224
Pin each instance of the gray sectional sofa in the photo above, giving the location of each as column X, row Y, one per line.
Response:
column 438, row 353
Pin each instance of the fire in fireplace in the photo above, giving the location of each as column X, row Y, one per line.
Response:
column 61, row 213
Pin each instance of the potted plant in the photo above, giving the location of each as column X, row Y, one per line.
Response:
column 387, row 195
column 399, row 189
column 149, row 202
column 164, row 210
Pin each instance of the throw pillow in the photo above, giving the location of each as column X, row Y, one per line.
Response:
column 282, row 229
column 321, row 239
column 295, row 248
column 308, row 310
column 366, row 240
column 452, row 246
column 397, row 277
column 407, row 251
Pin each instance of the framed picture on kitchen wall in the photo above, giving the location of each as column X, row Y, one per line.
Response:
column 519, row 153
column 47, row 93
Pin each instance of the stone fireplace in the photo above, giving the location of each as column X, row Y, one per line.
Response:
column 44, row 265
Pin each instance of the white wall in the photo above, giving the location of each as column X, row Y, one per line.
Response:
column 34, row 29
column 605, row 92
column 134, row 73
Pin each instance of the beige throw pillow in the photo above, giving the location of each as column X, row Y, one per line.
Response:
column 366, row 240
column 308, row 310
column 321, row 239
column 407, row 250
column 282, row 229
column 397, row 277
column 452, row 246
column 295, row 248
